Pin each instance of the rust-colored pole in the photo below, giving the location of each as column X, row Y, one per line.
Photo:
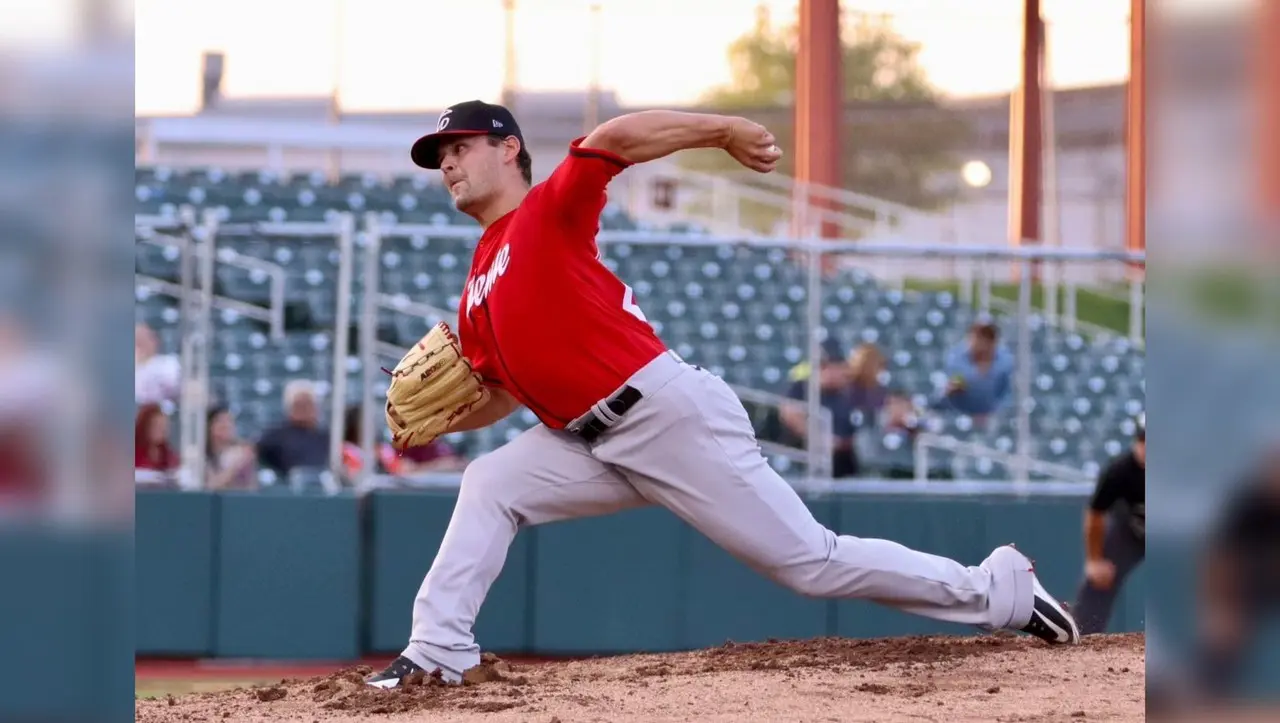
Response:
column 1267, row 53
column 1025, row 137
column 819, row 110
column 1136, row 131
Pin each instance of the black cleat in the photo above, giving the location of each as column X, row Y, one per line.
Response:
column 1050, row 620
column 400, row 668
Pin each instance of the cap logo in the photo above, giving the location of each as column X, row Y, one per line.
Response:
column 444, row 120
column 497, row 124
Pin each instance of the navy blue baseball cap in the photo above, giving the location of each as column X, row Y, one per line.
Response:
column 470, row 118
column 830, row 351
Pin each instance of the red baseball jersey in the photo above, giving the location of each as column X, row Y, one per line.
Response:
column 541, row 315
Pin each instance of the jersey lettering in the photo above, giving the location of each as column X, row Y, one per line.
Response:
column 562, row 296
column 478, row 287
column 630, row 306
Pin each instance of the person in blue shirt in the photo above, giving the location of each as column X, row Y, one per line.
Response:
column 979, row 374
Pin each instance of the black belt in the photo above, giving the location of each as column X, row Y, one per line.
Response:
column 591, row 425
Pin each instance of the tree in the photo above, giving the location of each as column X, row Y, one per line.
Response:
column 895, row 158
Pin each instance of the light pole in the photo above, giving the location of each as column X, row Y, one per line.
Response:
column 335, row 92
column 975, row 175
column 591, row 118
column 509, row 79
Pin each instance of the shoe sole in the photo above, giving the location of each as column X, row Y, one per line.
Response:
column 389, row 683
column 1050, row 619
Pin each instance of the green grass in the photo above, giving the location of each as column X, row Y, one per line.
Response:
column 162, row 688
column 1237, row 297
column 1102, row 310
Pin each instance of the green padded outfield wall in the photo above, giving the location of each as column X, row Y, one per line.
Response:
column 404, row 532
column 65, row 601
column 248, row 575
column 267, row 576
column 175, row 557
column 288, row 577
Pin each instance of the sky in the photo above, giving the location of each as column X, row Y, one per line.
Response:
column 411, row 54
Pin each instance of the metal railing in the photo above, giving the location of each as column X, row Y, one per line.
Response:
column 1024, row 254
column 814, row 478
column 927, row 441
column 813, row 249
column 816, row 471
column 809, row 251
column 194, row 293
column 880, row 213
column 372, row 302
column 1066, row 319
column 197, row 245
column 272, row 314
column 226, row 303
column 718, row 202
column 342, row 230
column 817, row 458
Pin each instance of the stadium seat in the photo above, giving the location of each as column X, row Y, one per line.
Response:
column 733, row 308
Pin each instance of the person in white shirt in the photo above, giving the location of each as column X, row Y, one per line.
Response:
column 157, row 377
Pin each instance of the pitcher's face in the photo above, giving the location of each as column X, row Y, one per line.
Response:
column 470, row 167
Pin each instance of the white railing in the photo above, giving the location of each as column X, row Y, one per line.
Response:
column 371, row 349
column 194, row 293
column 449, row 481
column 817, row 479
column 813, row 250
column 1021, row 466
column 720, row 202
column 712, row 200
column 1023, row 254
column 272, row 314
column 822, row 450
column 818, row 462
column 810, row 250
column 1067, row 319
column 197, row 302
column 883, row 214
column 342, row 231
column 243, row 308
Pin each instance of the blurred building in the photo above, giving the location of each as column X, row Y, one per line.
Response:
column 307, row 134
column 300, row 133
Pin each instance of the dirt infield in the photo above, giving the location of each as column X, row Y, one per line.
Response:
column 989, row 678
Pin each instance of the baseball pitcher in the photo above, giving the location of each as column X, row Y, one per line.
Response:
column 544, row 324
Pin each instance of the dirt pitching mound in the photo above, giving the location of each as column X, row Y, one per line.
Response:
column 989, row 678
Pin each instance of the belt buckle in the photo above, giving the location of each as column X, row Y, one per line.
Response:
column 575, row 426
column 579, row 426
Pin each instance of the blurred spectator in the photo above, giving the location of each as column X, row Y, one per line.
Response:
column 834, row 381
column 886, row 442
column 1239, row 581
column 157, row 377
column 436, row 456
column 28, row 384
column 979, row 374
column 230, row 462
column 867, row 391
column 1113, row 548
column 153, row 456
column 899, row 413
column 299, row 442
